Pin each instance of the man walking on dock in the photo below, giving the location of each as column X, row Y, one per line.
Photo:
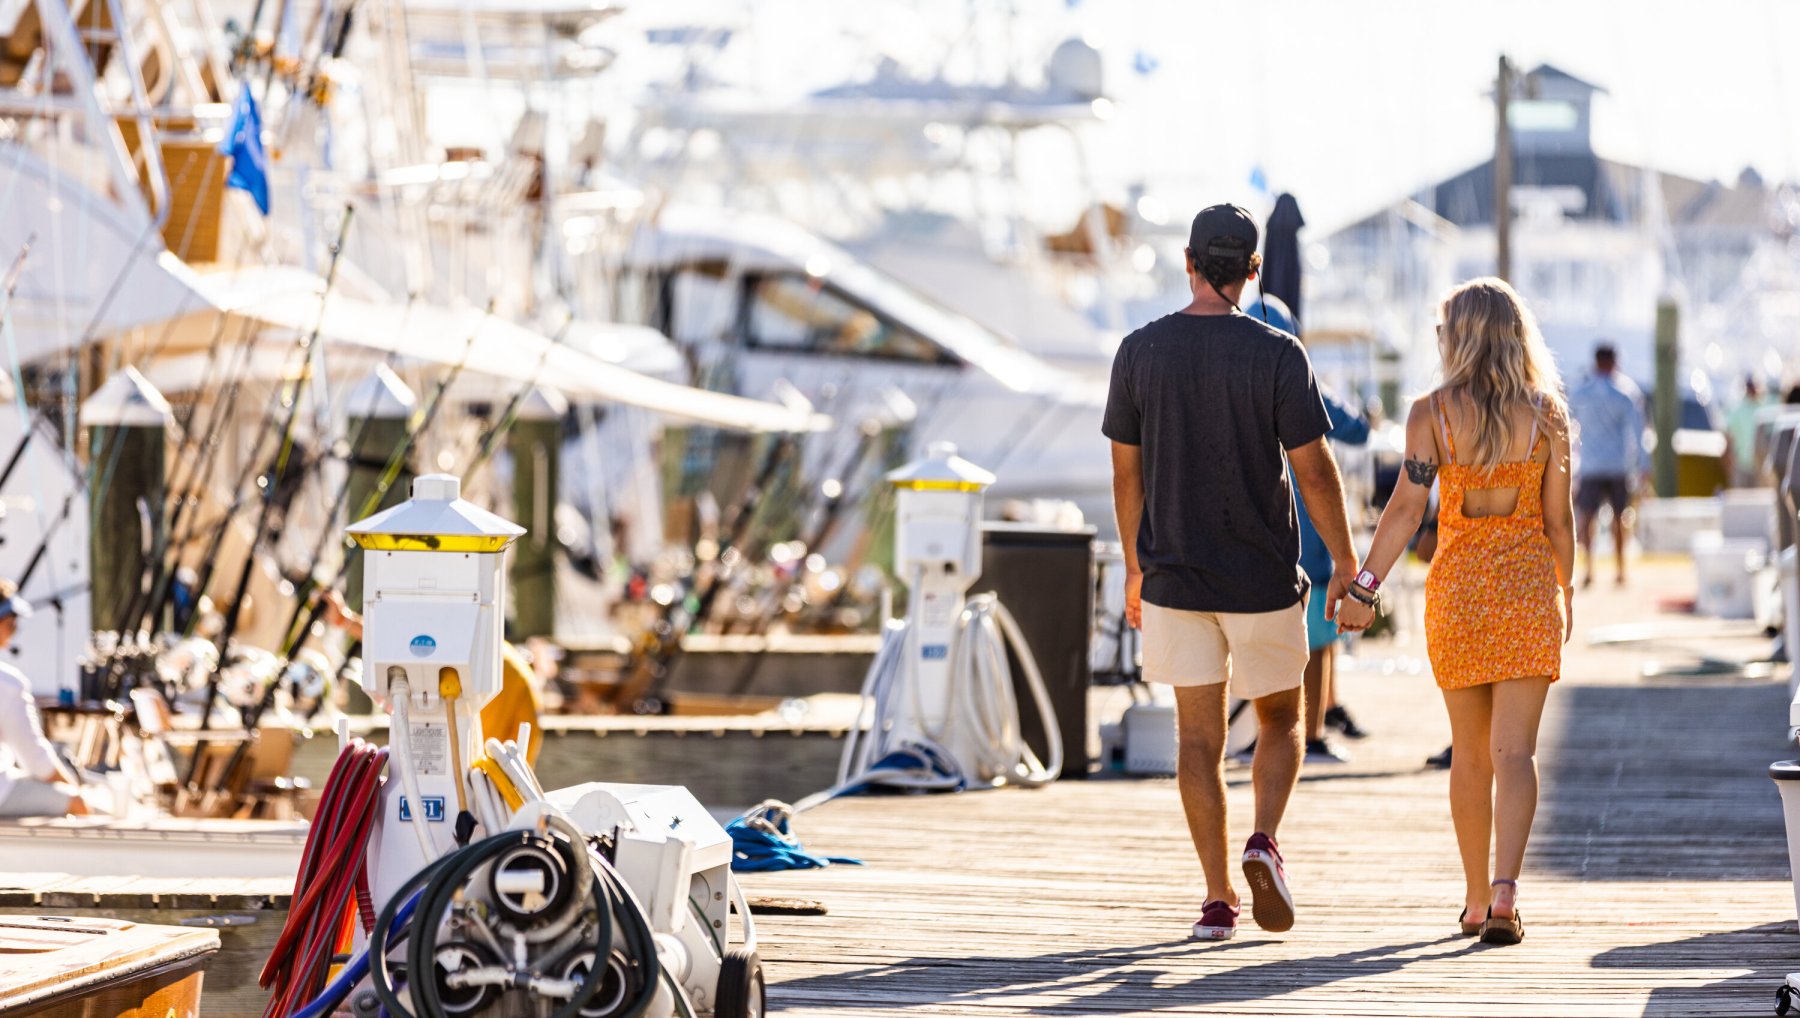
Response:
column 1609, row 419
column 1204, row 405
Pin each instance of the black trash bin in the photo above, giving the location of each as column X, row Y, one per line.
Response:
column 1045, row 578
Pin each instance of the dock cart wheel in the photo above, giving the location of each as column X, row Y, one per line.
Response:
column 1784, row 999
column 741, row 989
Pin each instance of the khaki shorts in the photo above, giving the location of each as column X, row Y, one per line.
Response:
column 1259, row 653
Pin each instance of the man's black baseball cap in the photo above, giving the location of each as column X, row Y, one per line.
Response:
column 1227, row 223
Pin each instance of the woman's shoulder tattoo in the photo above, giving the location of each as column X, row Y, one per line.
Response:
column 1421, row 472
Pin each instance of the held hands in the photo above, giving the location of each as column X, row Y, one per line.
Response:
column 1351, row 615
column 1134, row 599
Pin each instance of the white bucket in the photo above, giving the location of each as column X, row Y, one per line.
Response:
column 1787, row 778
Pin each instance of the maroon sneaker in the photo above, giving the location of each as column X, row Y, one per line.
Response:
column 1270, row 901
column 1218, row 921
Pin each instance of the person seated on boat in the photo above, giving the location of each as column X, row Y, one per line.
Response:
column 29, row 766
column 514, row 705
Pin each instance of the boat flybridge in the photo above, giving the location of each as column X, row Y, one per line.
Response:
column 772, row 305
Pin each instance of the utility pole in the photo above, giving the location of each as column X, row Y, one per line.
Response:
column 1503, row 171
column 1667, row 412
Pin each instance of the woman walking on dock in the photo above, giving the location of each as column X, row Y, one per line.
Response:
column 1498, row 605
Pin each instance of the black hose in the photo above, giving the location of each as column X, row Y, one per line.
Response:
column 617, row 917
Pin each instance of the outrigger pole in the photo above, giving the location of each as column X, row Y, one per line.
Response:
column 12, row 283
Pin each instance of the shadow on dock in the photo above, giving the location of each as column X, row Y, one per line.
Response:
column 1662, row 782
column 1767, row 951
column 1128, row 980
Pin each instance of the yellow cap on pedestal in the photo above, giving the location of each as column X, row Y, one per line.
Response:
column 436, row 518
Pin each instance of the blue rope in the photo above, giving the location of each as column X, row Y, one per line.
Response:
column 762, row 841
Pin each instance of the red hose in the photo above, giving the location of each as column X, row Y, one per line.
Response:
column 331, row 868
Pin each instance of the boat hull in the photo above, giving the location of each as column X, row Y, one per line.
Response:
column 164, row 847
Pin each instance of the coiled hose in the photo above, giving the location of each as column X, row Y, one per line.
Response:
column 982, row 715
column 331, row 872
column 616, row 917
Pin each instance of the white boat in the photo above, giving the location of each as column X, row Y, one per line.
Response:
column 768, row 304
column 154, row 847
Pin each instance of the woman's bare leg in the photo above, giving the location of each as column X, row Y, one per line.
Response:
column 1518, row 705
column 1472, row 788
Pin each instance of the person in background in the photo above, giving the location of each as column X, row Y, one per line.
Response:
column 1609, row 421
column 1207, row 407
column 1740, row 431
column 29, row 767
column 1322, row 636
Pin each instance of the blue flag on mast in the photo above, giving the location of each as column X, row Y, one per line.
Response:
column 243, row 143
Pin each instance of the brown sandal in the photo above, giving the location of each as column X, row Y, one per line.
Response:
column 1469, row 929
column 1504, row 930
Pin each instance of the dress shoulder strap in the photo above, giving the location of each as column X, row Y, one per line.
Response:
column 1537, row 407
column 1444, row 422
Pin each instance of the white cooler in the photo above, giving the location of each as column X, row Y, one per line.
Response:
column 1148, row 733
column 1670, row 525
column 1725, row 570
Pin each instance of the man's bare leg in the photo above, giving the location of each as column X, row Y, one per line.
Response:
column 1318, row 664
column 1276, row 767
column 1621, row 534
column 1200, row 774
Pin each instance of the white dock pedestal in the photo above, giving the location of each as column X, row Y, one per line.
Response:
column 1787, row 778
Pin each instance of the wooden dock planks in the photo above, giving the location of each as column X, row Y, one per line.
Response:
column 1657, row 883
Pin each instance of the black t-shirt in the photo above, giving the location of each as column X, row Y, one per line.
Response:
column 1214, row 400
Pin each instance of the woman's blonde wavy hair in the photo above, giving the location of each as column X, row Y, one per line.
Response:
column 1496, row 362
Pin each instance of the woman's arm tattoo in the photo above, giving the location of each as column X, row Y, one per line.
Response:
column 1421, row 472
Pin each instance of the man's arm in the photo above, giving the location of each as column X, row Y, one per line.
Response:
column 1316, row 473
column 1128, row 507
column 21, row 732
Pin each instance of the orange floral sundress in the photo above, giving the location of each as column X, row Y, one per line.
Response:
column 1493, row 606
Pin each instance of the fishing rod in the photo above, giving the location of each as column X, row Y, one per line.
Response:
column 208, row 453
column 116, row 440
column 835, row 492
column 271, row 487
column 294, row 638
column 148, row 600
column 210, row 559
column 314, row 608
column 490, row 440
column 662, row 643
